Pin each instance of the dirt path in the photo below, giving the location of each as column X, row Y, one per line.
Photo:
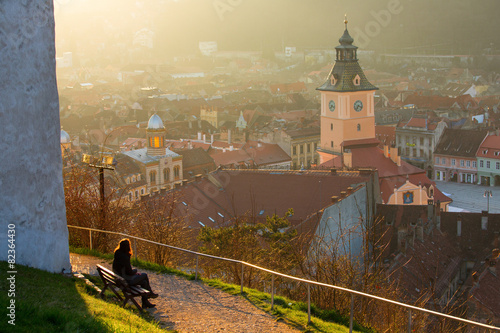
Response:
column 190, row 306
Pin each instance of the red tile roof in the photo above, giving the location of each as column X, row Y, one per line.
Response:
column 261, row 193
column 490, row 148
column 285, row 88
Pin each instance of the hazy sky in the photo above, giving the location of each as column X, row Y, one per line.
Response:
column 459, row 26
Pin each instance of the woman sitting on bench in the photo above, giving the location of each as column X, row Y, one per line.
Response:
column 122, row 267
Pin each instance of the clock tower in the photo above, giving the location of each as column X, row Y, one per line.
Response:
column 347, row 103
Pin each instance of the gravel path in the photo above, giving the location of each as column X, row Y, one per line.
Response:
column 190, row 306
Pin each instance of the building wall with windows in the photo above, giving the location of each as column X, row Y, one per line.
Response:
column 488, row 161
column 416, row 141
column 455, row 168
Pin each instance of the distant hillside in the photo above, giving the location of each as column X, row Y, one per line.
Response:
column 445, row 26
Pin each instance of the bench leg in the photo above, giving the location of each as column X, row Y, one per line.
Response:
column 133, row 301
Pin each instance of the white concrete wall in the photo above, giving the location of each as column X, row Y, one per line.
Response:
column 31, row 186
column 342, row 225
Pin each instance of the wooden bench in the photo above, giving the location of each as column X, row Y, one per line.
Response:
column 114, row 282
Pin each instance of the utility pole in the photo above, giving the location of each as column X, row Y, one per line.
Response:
column 105, row 162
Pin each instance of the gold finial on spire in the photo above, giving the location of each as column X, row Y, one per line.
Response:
column 345, row 20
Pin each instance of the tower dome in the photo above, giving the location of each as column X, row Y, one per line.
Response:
column 65, row 137
column 155, row 122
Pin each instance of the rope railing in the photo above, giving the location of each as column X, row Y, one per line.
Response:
column 308, row 282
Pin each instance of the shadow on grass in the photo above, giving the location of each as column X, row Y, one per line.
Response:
column 47, row 302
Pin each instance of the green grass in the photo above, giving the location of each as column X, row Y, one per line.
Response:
column 291, row 312
column 47, row 302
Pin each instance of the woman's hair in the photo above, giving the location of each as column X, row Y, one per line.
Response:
column 124, row 246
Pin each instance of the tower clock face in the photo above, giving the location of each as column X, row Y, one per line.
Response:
column 331, row 106
column 358, row 105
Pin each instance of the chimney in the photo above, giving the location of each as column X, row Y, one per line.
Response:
column 333, row 171
column 393, row 154
column 190, row 145
column 231, row 148
column 198, row 177
column 229, row 136
column 493, row 261
column 335, row 199
column 343, row 194
column 386, row 151
column 211, row 139
column 459, row 226
column 347, row 159
column 484, row 220
column 259, row 144
column 199, row 136
column 204, row 138
column 430, row 208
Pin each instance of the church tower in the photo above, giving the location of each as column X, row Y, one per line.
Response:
column 156, row 136
column 347, row 103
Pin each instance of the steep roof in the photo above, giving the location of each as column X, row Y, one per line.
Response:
column 194, row 157
column 344, row 73
column 460, row 142
column 490, row 148
column 261, row 193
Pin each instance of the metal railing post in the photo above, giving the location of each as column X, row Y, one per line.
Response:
column 351, row 319
column 443, row 316
column 196, row 271
column 272, row 292
column 242, row 267
column 135, row 249
column 308, row 304
column 409, row 320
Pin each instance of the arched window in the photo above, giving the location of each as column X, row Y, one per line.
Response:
column 130, row 197
column 177, row 172
column 152, row 177
column 166, row 175
column 359, row 127
column 357, row 80
column 137, row 194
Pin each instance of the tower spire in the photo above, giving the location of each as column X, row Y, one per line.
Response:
column 345, row 21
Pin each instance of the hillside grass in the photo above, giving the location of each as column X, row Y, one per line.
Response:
column 47, row 302
column 291, row 312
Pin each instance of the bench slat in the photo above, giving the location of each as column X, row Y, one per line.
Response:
column 112, row 279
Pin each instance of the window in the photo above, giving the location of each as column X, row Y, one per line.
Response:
column 133, row 179
column 166, row 175
column 137, row 194
column 308, row 147
column 294, row 150
column 461, row 163
column 453, row 161
column 177, row 172
column 421, row 141
column 474, row 164
column 481, row 164
column 331, row 144
column 138, row 177
column 467, row 163
column 359, row 127
column 142, row 191
column 152, row 177
column 331, row 126
column 488, row 164
column 301, row 149
column 130, row 197
column 127, row 180
column 437, row 160
column 443, row 160
column 497, row 165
